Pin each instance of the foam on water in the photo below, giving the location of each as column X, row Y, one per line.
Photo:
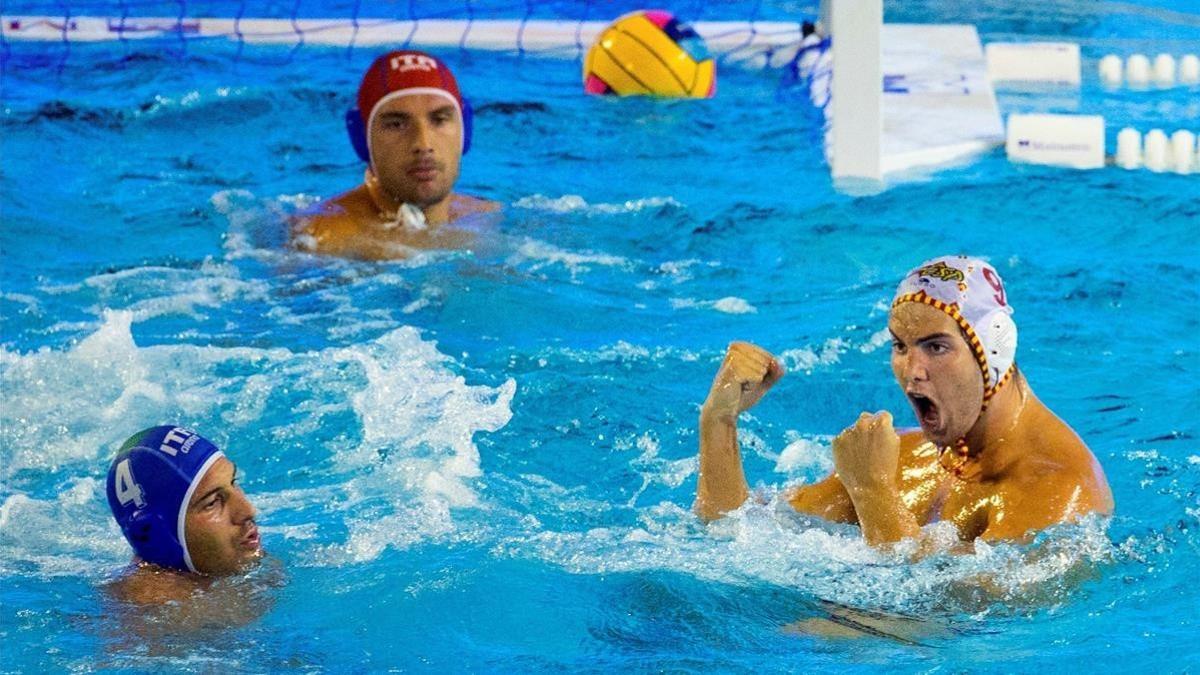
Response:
column 805, row 454
column 153, row 291
column 652, row 467
column 808, row 358
column 33, row 537
column 766, row 542
column 622, row 352
column 410, row 445
column 537, row 255
column 727, row 305
column 577, row 204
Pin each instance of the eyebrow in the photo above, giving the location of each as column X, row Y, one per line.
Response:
column 202, row 498
column 935, row 336
column 922, row 340
column 404, row 115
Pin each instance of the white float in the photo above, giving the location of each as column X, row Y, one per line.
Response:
column 1155, row 156
column 1164, row 70
column 1137, row 70
column 1129, row 148
column 1111, row 70
column 1051, row 62
column 1189, row 69
column 1183, row 151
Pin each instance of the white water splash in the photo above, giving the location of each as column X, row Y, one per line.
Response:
column 415, row 461
column 577, row 204
column 727, row 305
column 539, row 255
column 808, row 454
column 808, row 358
column 765, row 541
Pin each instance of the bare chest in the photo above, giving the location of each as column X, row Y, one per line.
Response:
column 933, row 495
column 400, row 236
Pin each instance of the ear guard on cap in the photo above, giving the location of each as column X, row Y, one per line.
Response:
column 154, row 540
column 998, row 333
column 358, row 132
column 358, row 135
column 468, row 115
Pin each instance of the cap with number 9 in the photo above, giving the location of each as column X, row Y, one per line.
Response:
column 970, row 291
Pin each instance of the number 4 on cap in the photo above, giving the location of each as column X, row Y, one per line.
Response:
column 127, row 489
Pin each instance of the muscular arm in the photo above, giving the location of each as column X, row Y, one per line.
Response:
column 866, row 457
column 882, row 515
column 722, row 485
column 745, row 375
column 827, row 499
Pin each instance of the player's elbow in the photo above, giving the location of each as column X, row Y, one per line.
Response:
column 705, row 511
column 709, row 509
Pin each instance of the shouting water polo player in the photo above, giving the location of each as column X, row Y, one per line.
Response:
column 176, row 498
column 988, row 457
column 412, row 126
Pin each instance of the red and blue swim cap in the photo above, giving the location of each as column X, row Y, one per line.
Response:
column 150, row 482
column 399, row 73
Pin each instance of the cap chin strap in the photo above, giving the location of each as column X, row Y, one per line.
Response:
column 989, row 394
column 408, row 216
column 958, row 460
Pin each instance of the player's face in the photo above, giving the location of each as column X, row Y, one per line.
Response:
column 937, row 370
column 222, row 537
column 416, row 147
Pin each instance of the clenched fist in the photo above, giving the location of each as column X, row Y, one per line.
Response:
column 747, row 372
column 866, row 454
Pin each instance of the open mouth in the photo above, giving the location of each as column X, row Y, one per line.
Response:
column 251, row 540
column 928, row 413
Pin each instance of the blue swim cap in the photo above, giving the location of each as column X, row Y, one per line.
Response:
column 150, row 483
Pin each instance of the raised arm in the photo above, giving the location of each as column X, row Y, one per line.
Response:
column 866, row 458
column 745, row 375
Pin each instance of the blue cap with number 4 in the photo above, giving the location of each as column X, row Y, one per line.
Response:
column 150, row 483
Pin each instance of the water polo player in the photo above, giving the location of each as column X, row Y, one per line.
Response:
column 411, row 127
column 988, row 456
column 175, row 496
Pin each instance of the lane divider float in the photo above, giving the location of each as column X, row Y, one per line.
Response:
column 1139, row 72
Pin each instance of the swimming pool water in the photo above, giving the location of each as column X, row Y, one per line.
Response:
column 485, row 460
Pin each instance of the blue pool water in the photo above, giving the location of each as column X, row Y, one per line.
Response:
column 485, row 460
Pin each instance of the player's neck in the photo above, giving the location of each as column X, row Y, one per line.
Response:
column 439, row 213
column 389, row 207
column 991, row 438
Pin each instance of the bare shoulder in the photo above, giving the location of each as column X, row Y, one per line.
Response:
column 327, row 227
column 1057, row 480
column 1076, row 488
column 1060, row 463
column 150, row 585
column 912, row 441
column 462, row 206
